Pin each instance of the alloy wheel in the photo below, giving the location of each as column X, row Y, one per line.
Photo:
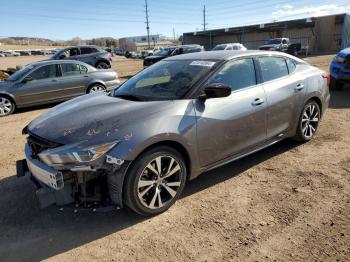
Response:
column 159, row 182
column 310, row 120
column 97, row 88
column 5, row 106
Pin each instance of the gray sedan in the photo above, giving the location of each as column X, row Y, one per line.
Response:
column 183, row 116
column 53, row 81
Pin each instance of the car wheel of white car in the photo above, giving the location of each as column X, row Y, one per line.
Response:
column 6, row 106
column 155, row 181
column 97, row 88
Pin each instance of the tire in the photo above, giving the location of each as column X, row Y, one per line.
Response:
column 335, row 84
column 102, row 65
column 7, row 106
column 96, row 88
column 308, row 122
column 148, row 194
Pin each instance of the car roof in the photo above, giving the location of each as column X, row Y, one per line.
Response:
column 55, row 61
column 228, row 54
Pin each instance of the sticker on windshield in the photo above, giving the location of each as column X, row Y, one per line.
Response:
column 203, row 63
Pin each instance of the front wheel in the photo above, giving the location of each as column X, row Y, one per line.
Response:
column 155, row 181
column 95, row 88
column 6, row 106
column 308, row 122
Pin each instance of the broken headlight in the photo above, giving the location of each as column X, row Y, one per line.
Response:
column 74, row 154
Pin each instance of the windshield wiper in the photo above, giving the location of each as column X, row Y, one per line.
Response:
column 129, row 97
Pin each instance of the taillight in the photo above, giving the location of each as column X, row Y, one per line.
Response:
column 327, row 77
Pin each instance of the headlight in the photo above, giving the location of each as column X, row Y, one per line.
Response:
column 74, row 154
column 338, row 59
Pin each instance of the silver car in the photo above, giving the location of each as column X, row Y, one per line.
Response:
column 168, row 124
column 53, row 81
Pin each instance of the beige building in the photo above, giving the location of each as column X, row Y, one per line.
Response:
column 317, row 34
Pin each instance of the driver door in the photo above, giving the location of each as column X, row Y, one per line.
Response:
column 231, row 125
column 42, row 88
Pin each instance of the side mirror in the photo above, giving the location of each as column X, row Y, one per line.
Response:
column 27, row 79
column 62, row 56
column 216, row 90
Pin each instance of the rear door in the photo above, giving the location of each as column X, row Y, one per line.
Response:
column 283, row 90
column 43, row 87
column 88, row 55
column 230, row 125
column 74, row 79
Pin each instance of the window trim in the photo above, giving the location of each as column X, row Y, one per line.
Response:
column 295, row 64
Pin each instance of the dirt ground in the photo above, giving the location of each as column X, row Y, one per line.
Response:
column 289, row 202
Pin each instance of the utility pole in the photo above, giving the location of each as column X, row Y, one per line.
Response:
column 204, row 22
column 174, row 33
column 147, row 24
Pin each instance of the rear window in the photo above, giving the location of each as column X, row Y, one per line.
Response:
column 273, row 67
column 88, row 50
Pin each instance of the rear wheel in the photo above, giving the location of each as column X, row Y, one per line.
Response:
column 95, row 88
column 6, row 106
column 102, row 65
column 308, row 122
column 155, row 181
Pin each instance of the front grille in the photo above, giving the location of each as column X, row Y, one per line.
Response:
column 38, row 144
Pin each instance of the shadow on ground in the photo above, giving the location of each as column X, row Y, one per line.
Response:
column 30, row 234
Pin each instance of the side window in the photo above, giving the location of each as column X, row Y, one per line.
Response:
column 69, row 69
column 237, row 74
column 73, row 51
column 291, row 65
column 44, row 72
column 229, row 48
column 86, row 50
column 83, row 69
column 273, row 67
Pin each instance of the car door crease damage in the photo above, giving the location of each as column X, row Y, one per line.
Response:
column 168, row 124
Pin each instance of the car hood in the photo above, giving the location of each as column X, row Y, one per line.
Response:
column 97, row 118
column 345, row 52
column 154, row 57
column 4, row 85
column 270, row 46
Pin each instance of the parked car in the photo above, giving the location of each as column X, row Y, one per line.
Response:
column 10, row 53
column 25, row 53
column 171, row 51
column 231, row 46
column 340, row 69
column 2, row 54
column 276, row 44
column 149, row 52
column 89, row 54
column 52, row 81
column 168, row 124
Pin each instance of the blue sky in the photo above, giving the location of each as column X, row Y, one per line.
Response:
column 65, row 19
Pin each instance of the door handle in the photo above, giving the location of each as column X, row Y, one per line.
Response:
column 258, row 101
column 299, row 87
column 53, row 80
column 86, row 76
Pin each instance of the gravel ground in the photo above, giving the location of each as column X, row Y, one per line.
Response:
column 289, row 202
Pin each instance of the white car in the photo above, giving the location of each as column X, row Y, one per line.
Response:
column 11, row 53
column 230, row 46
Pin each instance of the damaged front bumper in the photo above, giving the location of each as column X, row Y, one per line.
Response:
column 79, row 186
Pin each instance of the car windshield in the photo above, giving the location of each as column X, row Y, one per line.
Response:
column 274, row 41
column 165, row 51
column 219, row 47
column 20, row 73
column 165, row 80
